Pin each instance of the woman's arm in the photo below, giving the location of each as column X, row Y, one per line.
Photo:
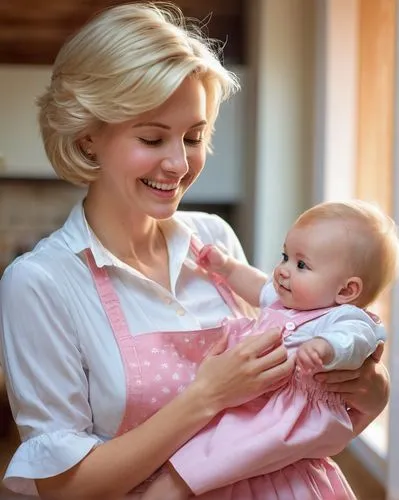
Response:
column 114, row 468
column 365, row 390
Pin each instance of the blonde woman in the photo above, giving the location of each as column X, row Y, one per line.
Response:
column 99, row 321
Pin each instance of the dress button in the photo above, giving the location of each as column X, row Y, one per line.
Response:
column 180, row 312
column 290, row 326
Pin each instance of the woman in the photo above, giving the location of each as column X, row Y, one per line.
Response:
column 129, row 113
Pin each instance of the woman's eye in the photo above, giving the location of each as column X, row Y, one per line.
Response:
column 150, row 142
column 193, row 142
column 301, row 264
column 285, row 257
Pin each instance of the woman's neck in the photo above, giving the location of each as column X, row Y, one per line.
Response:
column 130, row 237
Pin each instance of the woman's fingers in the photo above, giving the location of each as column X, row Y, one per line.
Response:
column 273, row 358
column 278, row 375
column 337, row 377
column 219, row 347
column 254, row 366
column 377, row 354
column 259, row 344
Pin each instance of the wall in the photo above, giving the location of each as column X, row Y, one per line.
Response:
column 280, row 120
column 30, row 210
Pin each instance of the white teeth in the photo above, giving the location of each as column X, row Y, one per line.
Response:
column 161, row 186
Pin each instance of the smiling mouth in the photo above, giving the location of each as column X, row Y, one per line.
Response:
column 160, row 186
column 282, row 284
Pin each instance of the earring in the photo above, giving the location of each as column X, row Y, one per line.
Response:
column 90, row 155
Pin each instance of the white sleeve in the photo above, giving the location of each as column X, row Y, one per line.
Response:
column 268, row 294
column 46, row 381
column 353, row 335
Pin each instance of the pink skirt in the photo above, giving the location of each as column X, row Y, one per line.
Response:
column 318, row 479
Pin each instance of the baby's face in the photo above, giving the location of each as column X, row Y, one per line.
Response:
column 314, row 266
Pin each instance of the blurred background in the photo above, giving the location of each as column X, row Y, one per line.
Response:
column 316, row 119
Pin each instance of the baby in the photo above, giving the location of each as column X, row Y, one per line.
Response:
column 337, row 259
column 335, row 254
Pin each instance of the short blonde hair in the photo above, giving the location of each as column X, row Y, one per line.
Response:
column 126, row 61
column 373, row 239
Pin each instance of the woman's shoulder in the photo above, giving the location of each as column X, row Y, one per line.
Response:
column 212, row 229
column 209, row 227
column 38, row 266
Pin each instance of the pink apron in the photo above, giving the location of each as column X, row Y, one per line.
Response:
column 160, row 365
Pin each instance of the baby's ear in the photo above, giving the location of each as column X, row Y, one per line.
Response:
column 350, row 291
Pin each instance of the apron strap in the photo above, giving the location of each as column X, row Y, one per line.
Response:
column 125, row 341
column 108, row 297
column 222, row 287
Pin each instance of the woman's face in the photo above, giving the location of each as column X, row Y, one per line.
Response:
column 148, row 163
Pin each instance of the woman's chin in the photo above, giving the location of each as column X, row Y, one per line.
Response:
column 163, row 212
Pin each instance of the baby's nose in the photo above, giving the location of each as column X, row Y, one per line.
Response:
column 284, row 272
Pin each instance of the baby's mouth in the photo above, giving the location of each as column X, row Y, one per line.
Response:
column 284, row 284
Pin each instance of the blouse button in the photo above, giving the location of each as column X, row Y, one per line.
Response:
column 180, row 312
column 290, row 326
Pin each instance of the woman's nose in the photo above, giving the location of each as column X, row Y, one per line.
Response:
column 176, row 162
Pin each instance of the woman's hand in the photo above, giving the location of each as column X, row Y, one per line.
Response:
column 256, row 365
column 366, row 390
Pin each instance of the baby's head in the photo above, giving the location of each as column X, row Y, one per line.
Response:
column 337, row 253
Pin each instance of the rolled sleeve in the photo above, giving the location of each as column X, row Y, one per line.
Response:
column 353, row 335
column 46, row 455
column 45, row 376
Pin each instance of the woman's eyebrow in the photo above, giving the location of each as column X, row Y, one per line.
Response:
column 166, row 127
column 151, row 124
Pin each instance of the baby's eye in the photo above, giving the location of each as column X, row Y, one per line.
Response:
column 301, row 264
column 285, row 257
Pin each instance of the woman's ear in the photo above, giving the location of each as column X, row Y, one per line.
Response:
column 350, row 291
column 85, row 142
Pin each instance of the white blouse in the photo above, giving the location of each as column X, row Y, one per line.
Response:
column 63, row 369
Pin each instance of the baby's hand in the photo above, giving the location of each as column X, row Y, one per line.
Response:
column 167, row 486
column 213, row 259
column 313, row 354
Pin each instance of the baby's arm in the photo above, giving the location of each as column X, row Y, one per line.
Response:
column 245, row 280
column 352, row 336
